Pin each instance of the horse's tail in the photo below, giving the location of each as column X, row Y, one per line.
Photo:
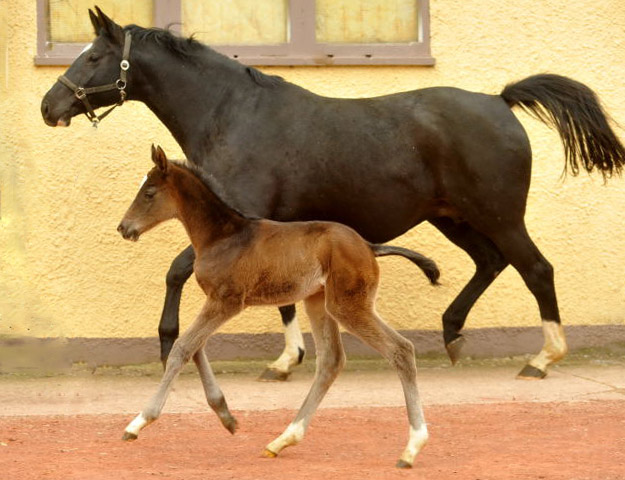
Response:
column 574, row 110
column 424, row 263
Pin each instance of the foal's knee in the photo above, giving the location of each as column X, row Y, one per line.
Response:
column 404, row 354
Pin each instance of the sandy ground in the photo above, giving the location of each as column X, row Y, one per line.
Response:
column 484, row 425
column 368, row 384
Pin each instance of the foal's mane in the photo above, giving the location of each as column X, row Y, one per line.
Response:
column 213, row 185
column 190, row 49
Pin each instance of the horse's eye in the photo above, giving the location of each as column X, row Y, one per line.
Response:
column 149, row 194
column 93, row 57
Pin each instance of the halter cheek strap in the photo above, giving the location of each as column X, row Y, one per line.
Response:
column 120, row 84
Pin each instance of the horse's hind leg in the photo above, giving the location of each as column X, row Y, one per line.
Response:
column 168, row 327
column 489, row 262
column 400, row 353
column 214, row 395
column 537, row 272
column 294, row 350
column 330, row 361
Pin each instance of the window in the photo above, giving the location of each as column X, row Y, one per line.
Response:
column 257, row 32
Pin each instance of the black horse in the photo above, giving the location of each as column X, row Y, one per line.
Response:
column 458, row 159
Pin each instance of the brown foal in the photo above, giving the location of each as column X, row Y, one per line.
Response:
column 242, row 262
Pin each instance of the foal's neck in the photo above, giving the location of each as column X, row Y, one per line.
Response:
column 206, row 218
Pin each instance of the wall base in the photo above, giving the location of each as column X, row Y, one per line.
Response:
column 51, row 354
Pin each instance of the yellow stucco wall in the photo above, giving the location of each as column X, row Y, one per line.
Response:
column 64, row 270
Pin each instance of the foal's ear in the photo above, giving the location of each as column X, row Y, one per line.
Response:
column 95, row 21
column 160, row 159
column 109, row 28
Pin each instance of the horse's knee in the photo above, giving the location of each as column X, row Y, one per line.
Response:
column 177, row 275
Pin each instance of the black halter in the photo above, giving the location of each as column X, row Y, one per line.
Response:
column 82, row 92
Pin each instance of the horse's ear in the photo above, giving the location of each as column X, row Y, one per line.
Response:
column 160, row 159
column 95, row 21
column 109, row 27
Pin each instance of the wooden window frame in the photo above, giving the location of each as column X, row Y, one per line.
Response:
column 301, row 49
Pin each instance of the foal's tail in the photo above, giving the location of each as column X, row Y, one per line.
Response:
column 424, row 263
column 574, row 110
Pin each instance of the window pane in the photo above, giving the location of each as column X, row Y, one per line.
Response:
column 366, row 21
column 69, row 19
column 236, row 22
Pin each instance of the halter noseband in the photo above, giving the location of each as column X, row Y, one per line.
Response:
column 120, row 84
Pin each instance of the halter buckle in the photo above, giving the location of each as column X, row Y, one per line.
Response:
column 80, row 93
column 124, row 65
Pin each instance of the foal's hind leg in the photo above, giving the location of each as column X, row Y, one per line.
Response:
column 209, row 319
column 489, row 262
column 293, row 352
column 537, row 273
column 330, row 361
column 400, row 353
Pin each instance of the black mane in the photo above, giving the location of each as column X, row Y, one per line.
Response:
column 189, row 48
column 213, row 185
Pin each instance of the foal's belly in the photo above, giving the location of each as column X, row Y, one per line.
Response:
column 285, row 289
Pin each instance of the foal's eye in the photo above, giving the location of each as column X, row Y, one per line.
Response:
column 149, row 194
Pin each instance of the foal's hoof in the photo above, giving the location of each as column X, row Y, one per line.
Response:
column 454, row 348
column 403, row 464
column 269, row 454
column 530, row 372
column 129, row 437
column 270, row 375
column 231, row 424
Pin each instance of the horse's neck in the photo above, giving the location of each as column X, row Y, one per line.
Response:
column 204, row 215
column 185, row 96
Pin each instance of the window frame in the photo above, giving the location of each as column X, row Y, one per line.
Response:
column 301, row 49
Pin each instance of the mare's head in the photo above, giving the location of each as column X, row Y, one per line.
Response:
column 154, row 202
column 97, row 65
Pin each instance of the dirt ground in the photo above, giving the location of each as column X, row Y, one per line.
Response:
column 483, row 425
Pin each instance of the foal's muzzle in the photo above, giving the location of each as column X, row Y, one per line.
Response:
column 127, row 232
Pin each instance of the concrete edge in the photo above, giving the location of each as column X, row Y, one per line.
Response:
column 23, row 352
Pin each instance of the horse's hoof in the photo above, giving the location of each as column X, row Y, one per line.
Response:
column 269, row 454
column 454, row 348
column 270, row 375
column 403, row 464
column 129, row 437
column 530, row 372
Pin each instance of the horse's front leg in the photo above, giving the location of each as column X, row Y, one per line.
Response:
column 210, row 318
column 294, row 349
column 179, row 272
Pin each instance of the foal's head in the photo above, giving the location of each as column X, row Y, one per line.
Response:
column 154, row 202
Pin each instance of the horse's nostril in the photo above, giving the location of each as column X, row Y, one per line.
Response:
column 45, row 108
column 120, row 229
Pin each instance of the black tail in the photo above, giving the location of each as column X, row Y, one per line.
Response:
column 424, row 263
column 574, row 110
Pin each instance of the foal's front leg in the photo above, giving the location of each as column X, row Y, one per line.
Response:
column 210, row 318
column 214, row 395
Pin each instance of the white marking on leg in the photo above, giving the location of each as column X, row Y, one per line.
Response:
column 294, row 341
column 417, row 440
column 293, row 434
column 138, row 423
column 555, row 347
